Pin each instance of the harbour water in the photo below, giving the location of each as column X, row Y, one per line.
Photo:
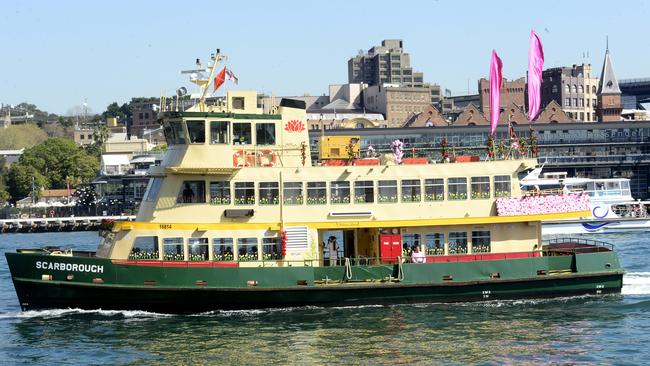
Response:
column 613, row 329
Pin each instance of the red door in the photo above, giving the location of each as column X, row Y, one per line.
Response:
column 390, row 247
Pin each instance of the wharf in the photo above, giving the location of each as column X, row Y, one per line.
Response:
column 47, row 224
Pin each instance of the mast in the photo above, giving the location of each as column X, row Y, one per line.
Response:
column 197, row 76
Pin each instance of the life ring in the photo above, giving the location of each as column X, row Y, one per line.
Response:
column 241, row 158
column 272, row 157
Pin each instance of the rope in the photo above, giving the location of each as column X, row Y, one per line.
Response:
column 400, row 272
column 348, row 269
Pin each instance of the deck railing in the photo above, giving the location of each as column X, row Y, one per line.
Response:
column 576, row 245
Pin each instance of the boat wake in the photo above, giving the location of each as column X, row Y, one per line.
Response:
column 636, row 283
column 59, row 313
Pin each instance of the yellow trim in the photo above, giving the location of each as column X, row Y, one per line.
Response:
column 353, row 224
column 200, row 171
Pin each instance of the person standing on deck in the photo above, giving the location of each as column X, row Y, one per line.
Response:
column 417, row 256
column 333, row 250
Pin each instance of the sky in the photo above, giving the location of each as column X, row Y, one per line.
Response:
column 58, row 54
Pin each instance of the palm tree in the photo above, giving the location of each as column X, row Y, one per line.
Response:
column 101, row 134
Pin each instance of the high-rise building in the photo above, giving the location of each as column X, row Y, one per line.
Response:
column 389, row 64
column 574, row 88
column 609, row 94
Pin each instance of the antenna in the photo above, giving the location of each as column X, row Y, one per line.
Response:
column 606, row 43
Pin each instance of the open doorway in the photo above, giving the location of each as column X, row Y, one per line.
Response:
column 337, row 245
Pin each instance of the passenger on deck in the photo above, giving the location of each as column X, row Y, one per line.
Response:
column 188, row 194
column 333, row 250
column 417, row 256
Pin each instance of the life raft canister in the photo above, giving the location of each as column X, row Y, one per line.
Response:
column 271, row 157
column 241, row 159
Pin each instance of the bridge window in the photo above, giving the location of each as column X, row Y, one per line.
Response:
column 241, row 133
column 198, row 249
column 457, row 188
column 480, row 187
column 435, row 243
column 316, row 193
column 271, row 248
column 265, row 133
column 481, row 241
column 364, row 191
column 220, row 193
column 222, row 249
column 192, row 191
column 196, row 130
column 173, row 249
column 153, row 189
column 434, row 189
column 292, row 193
column 144, row 248
column 269, row 193
column 411, row 190
column 502, row 186
column 247, row 249
column 175, row 133
column 244, row 193
column 219, row 132
column 387, row 191
column 457, row 242
column 340, row 192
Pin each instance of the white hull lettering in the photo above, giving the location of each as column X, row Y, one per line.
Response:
column 70, row 267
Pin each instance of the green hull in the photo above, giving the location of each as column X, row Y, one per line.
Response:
column 100, row 283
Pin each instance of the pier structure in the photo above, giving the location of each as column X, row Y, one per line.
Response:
column 53, row 224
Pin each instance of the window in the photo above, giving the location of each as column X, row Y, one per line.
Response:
column 575, row 88
column 241, row 133
column 409, row 241
column 575, row 102
column 196, row 130
column 265, row 133
column 174, row 133
column 292, row 194
column 480, row 187
column 197, row 249
column 271, row 248
column 554, row 89
column 219, row 132
column 238, row 103
column 364, row 192
column 145, row 247
column 457, row 242
column 340, row 192
column 192, row 191
column 435, row 243
column 434, row 189
column 269, row 193
column 316, row 193
column 567, row 88
column 220, row 193
column 581, row 102
column 387, row 191
column 411, row 190
column 153, row 189
column 222, row 249
column 481, row 241
column 593, row 89
column 457, row 188
column 173, row 249
column 502, row 186
column 247, row 249
column 582, row 88
column 82, row 136
column 244, row 193
column 567, row 102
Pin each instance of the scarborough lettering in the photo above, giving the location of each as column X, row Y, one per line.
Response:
column 70, row 267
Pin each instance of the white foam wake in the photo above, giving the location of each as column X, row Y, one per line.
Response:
column 636, row 283
column 58, row 313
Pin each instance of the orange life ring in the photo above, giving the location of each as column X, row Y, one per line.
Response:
column 241, row 159
column 272, row 157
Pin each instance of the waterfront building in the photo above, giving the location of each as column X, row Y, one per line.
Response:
column 144, row 112
column 609, row 94
column 396, row 103
column 573, row 88
column 512, row 91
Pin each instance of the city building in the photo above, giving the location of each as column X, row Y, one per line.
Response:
column 609, row 94
column 512, row 91
column 11, row 156
column 83, row 136
column 398, row 104
column 144, row 115
column 574, row 88
column 389, row 64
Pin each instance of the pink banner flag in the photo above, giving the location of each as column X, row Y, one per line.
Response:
column 535, row 66
column 495, row 90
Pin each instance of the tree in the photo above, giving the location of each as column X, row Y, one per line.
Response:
column 60, row 159
column 21, row 136
column 113, row 110
column 101, row 134
column 65, row 122
column 160, row 148
column 19, row 181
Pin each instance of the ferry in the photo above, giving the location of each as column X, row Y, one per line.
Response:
column 613, row 209
column 239, row 217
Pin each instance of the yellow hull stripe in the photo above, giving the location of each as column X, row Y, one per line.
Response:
column 131, row 225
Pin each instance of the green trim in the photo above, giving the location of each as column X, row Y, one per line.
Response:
column 219, row 115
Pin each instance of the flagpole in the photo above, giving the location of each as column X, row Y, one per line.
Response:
column 215, row 60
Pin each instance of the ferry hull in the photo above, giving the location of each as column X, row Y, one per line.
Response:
column 124, row 287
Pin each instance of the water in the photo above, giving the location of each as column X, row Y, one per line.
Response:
column 587, row 330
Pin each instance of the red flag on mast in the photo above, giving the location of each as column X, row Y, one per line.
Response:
column 219, row 79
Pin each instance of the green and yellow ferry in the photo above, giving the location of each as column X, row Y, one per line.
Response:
column 238, row 217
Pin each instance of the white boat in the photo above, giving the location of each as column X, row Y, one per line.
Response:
column 613, row 209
